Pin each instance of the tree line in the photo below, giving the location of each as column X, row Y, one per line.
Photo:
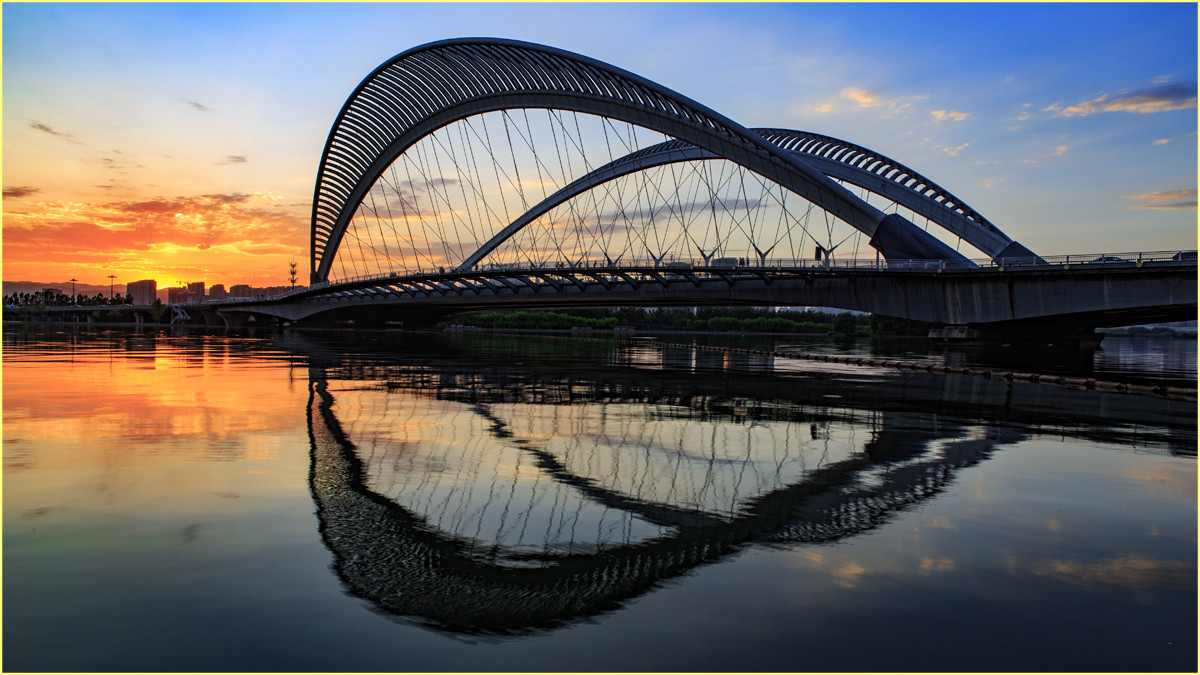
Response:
column 56, row 298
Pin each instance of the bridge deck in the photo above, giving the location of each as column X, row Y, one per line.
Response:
column 1100, row 290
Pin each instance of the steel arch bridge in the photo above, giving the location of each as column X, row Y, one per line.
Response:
column 484, row 174
column 413, row 158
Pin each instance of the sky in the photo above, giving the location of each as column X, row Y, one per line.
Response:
column 180, row 142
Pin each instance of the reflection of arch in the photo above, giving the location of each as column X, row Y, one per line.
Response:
column 431, row 86
column 392, row 557
column 835, row 158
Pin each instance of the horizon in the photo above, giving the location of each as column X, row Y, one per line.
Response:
column 180, row 142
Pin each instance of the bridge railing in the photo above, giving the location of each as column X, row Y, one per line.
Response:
column 668, row 264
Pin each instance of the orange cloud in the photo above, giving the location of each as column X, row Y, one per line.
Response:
column 953, row 152
column 1167, row 200
column 862, row 97
column 1155, row 99
column 941, row 115
column 219, row 238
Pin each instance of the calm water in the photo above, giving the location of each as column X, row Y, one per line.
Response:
column 436, row 502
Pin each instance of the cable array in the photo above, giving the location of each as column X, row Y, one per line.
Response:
column 465, row 150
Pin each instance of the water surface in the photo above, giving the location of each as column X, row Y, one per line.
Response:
column 434, row 502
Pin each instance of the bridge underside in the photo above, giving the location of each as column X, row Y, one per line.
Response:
column 1007, row 302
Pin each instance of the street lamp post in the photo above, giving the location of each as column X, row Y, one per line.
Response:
column 73, row 280
column 110, row 287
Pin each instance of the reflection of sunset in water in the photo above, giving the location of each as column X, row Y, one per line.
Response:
column 142, row 428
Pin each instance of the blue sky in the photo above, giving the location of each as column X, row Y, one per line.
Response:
column 1071, row 126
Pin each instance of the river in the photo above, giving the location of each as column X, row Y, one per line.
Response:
column 437, row 502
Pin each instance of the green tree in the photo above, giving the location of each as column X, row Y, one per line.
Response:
column 845, row 324
column 887, row 326
column 157, row 310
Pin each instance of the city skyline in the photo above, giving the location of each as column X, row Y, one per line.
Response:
column 179, row 142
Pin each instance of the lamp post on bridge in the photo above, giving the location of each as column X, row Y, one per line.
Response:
column 73, row 280
column 110, row 287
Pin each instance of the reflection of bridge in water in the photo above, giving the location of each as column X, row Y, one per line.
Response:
column 499, row 501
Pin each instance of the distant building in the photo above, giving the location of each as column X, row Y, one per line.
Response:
column 177, row 296
column 144, row 292
column 196, row 290
column 248, row 291
column 272, row 290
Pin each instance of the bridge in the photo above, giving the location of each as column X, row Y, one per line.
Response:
column 471, row 175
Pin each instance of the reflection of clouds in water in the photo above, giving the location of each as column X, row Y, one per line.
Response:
column 1131, row 570
column 937, row 565
column 849, row 574
column 1164, row 478
column 815, row 558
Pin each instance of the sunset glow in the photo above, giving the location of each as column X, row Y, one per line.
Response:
column 219, row 238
